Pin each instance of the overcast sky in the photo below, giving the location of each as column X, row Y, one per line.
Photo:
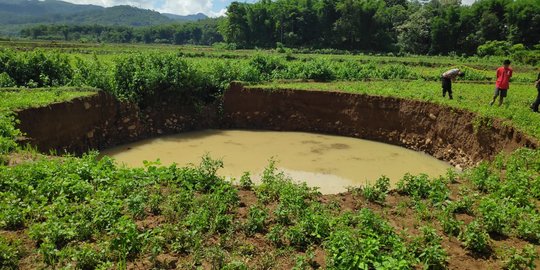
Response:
column 182, row 7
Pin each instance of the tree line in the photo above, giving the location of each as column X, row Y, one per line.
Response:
column 203, row 32
column 434, row 27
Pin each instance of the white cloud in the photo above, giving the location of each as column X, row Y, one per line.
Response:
column 181, row 7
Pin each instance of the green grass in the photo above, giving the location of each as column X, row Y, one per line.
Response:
column 13, row 99
column 469, row 96
column 93, row 213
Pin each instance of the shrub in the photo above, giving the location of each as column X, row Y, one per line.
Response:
column 225, row 46
column 6, row 80
column 256, row 221
column 494, row 47
column 93, row 73
column 371, row 244
column 377, row 193
column 245, row 181
column 528, row 227
column 483, row 179
column 416, row 186
column 126, row 240
column 450, row 225
column 267, row 65
column 524, row 259
column 147, row 77
column 12, row 215
column 8, row 133
column 475, row 238
column 9, row 254
column 498, row 215
column 318, row 70
column 428, row 249
column 36, row 68
column 87, row 257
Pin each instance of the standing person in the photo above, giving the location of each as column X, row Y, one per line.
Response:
column 447, row 79
column 535, row 105
column 504, row 74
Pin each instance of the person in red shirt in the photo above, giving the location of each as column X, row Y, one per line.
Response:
column 504, row 74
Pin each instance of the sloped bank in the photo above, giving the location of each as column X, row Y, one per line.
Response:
column 101, row 121
column 450, row 134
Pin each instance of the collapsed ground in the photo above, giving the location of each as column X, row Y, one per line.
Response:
column 87, row 213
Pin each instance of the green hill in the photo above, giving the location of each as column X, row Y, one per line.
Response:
column 18, row 14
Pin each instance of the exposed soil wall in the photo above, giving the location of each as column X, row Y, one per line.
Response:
column 101, row 121
column 445, row 133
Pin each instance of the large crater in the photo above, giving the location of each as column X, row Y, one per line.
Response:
column 100, row 121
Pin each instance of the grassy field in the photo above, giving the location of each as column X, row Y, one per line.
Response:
column 91, row 213
column 13, row 99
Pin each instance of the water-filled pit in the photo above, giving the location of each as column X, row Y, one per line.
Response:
column 331, row 163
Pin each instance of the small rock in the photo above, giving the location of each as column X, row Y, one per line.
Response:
column 459, row 168
column 159, row 131
column 432, row 116
column 87, row 105
column 132, row 127
column 126, row 120
column 428, row 141
column 338, row 123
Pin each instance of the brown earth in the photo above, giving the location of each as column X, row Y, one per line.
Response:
column 259, row 253
column 100, row 121
column 448, row 134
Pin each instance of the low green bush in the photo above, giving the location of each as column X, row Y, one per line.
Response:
column 475, row 238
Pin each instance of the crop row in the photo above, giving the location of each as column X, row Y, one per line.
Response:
column 91, row 213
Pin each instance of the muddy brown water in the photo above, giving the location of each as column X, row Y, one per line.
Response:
column 331, row 163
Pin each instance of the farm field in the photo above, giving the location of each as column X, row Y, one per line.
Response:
column 13, row 99
column 91, row 213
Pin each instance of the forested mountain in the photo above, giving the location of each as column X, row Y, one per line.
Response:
column 202, row 32
column 194, row 17
column 17, row 13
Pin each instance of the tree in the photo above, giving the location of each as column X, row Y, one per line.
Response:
column 414, row 35
column 236, row 27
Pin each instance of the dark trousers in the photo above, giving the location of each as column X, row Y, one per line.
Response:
column 446, row 87
column 537, row 102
